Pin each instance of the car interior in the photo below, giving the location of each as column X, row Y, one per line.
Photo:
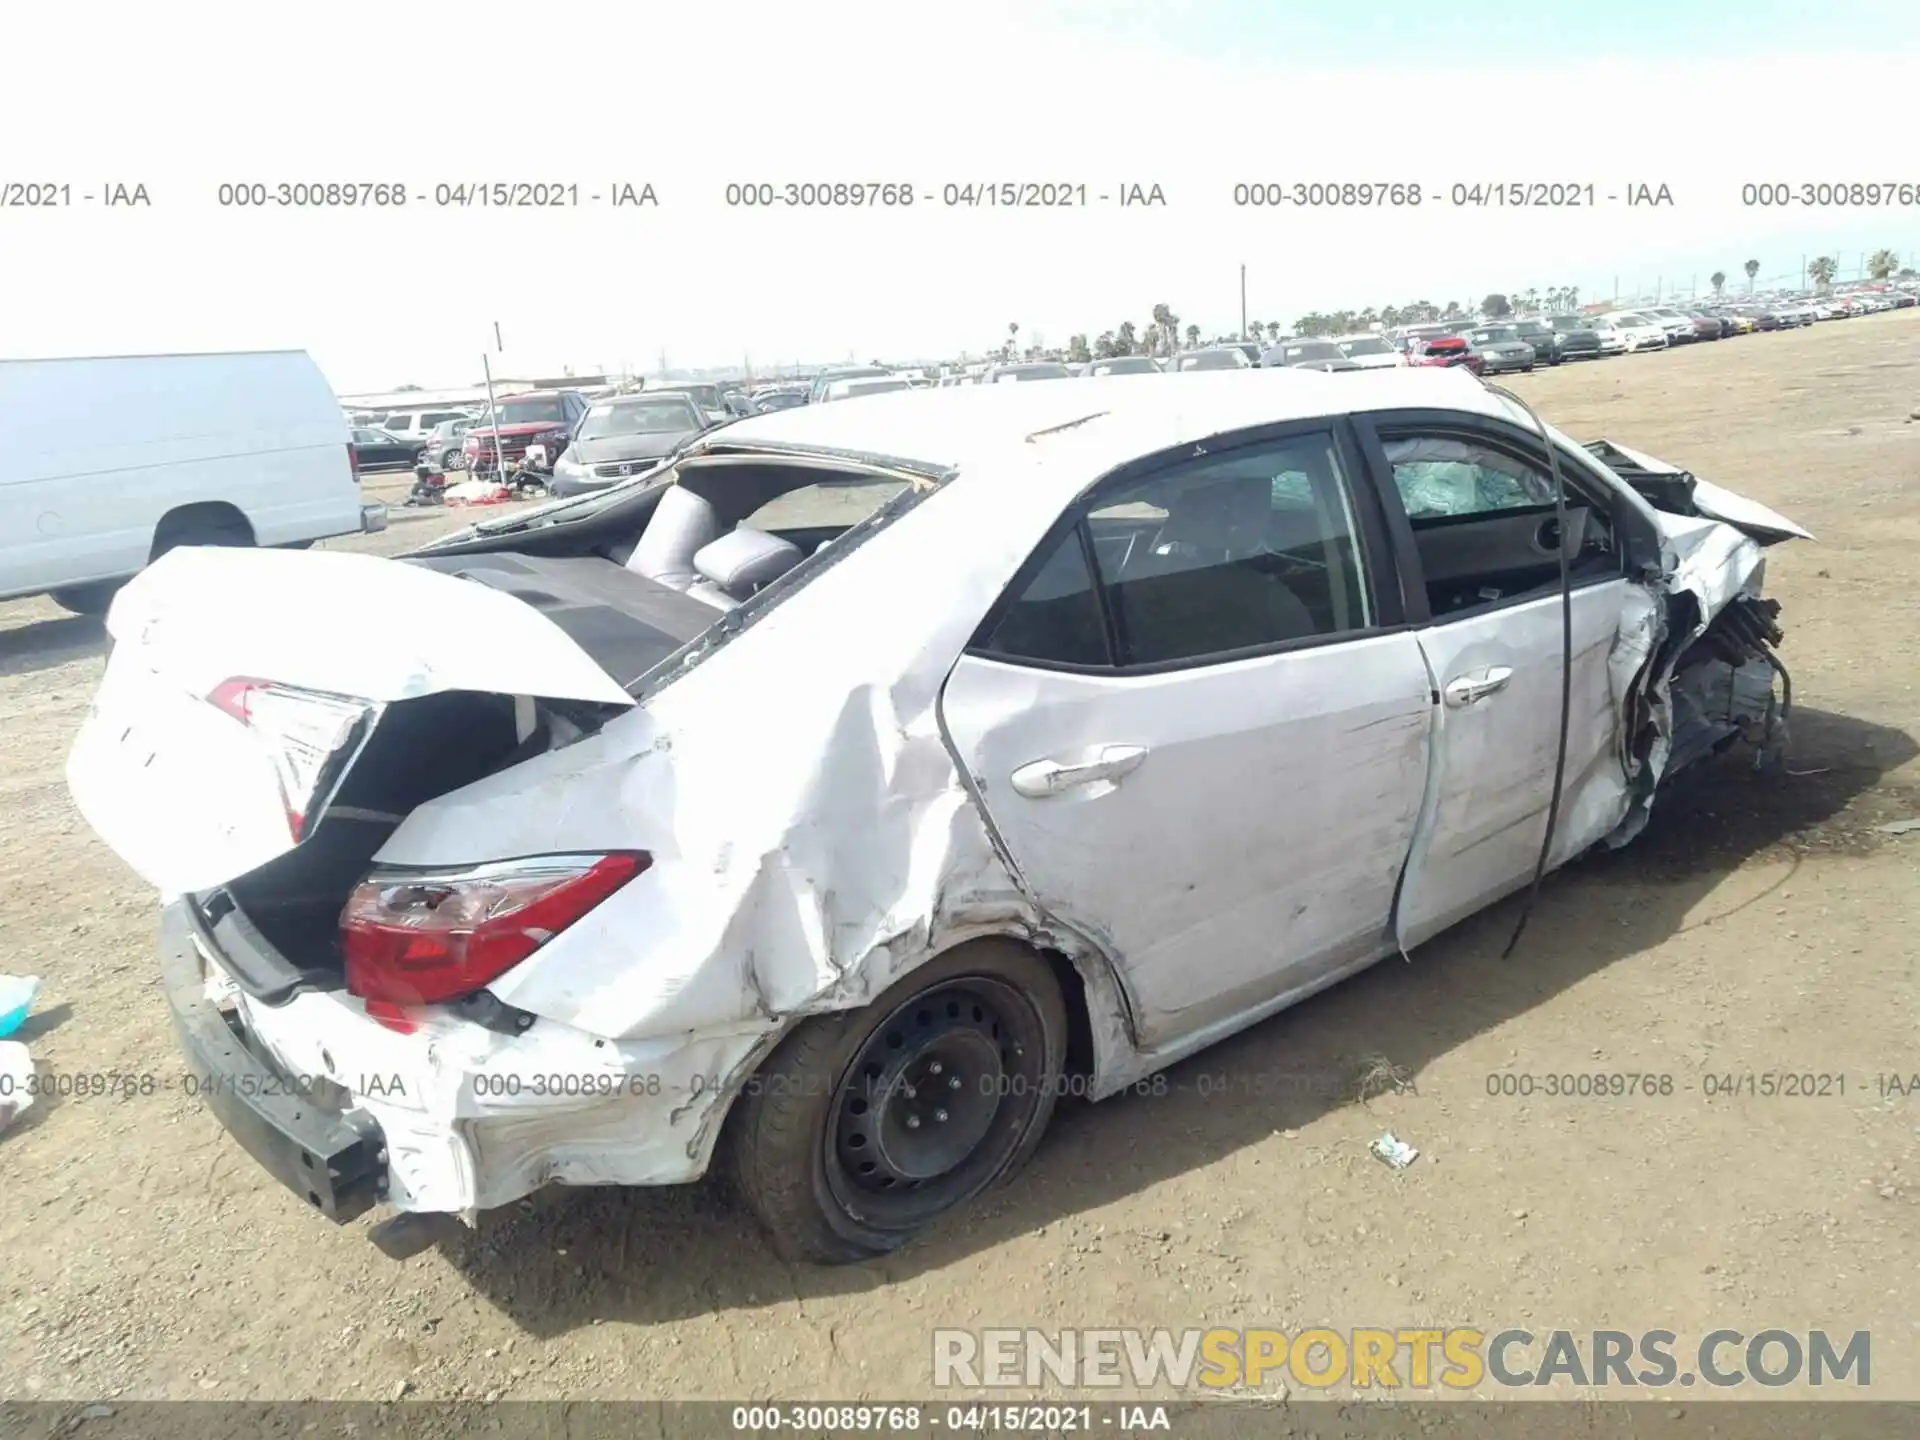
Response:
column 1484, row 524
column 706, row 544
column 1240, row 553
column 723, row 535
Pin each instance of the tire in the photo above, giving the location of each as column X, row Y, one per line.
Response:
column 87, row 599
column 831, row 1145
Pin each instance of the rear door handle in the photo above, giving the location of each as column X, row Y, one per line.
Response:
column 1050, row 777
column 1471, row 689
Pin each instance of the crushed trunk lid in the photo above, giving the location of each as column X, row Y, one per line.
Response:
column 244, row 683
column 1680, row 492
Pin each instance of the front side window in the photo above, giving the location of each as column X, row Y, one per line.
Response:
column 1241, row 551
column 1484, row 523
column 1440, row 478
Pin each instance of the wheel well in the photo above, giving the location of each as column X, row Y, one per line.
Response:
column 197, row 519
column 1073, row 989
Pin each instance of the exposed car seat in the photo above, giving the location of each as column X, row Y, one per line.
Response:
column 682, row 524
column 734, row 566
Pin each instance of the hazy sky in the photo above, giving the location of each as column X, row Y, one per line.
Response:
column 1193, row 97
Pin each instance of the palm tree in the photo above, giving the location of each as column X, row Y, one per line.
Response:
column 1013, row 330
column 1821, row 270
column 1125, row 341
column 1103, row 348
column 1752, row 267
column 1883, row 264
column 1193, row 337
column 1718, row 280
column 1274, row 328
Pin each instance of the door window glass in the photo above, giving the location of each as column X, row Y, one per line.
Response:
column 1229, row 553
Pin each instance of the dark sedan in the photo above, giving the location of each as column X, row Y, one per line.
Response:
column 1500, row 349
column 378, row 450
column 1574, row 339
column 627, row 435
column 1708, row 327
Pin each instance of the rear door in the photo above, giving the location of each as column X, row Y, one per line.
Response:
column 1200, row 729
column 1472, row 500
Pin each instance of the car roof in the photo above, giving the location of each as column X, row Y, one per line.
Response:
column 1100, row 423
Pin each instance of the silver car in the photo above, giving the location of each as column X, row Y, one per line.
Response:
column 831, row 801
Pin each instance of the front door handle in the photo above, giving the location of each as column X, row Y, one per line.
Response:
column 1471, row 689
column 1050, row 777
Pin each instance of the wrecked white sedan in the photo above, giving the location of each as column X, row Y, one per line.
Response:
column 830, row 800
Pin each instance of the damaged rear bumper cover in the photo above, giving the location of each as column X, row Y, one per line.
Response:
column 452, row 1120
column 334, row 1158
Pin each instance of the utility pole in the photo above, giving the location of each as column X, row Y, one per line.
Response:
column 493, row 411
column 1803, row 272
column 1243, row 302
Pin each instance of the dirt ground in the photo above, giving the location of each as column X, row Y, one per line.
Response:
column 1763, row 924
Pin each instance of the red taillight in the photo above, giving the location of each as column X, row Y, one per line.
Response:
column 308, row 736
column 424, row 938
column 353, row 462
column 231, row 696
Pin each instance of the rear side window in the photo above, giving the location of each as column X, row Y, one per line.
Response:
column 1236, row 552
column 1056, row 618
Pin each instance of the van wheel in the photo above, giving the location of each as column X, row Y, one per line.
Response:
column 87, row 599
column 863, row 1128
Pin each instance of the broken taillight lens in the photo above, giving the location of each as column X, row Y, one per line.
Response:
column 308, row 736
column 414, row 937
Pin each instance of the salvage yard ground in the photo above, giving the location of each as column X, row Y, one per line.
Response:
column 1764, row 923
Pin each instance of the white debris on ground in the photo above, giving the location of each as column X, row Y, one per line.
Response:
column 16, row 1065
column 1393, row 1152
column 16, row 1081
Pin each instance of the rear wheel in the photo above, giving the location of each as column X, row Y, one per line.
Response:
column 175, row 531
column 87, row 599
column 864, row 1128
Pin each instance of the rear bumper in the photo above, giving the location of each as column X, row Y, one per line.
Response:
column 455, row 1120
column 335, row 1160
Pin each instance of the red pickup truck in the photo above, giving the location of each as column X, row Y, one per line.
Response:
column 539, row 417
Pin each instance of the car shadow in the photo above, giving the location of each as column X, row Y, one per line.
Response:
column 44, row 644
column 569, row 1258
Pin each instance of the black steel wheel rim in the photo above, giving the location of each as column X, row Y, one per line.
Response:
column 938, row 1099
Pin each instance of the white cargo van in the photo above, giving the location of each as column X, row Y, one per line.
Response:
column 110, row 461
